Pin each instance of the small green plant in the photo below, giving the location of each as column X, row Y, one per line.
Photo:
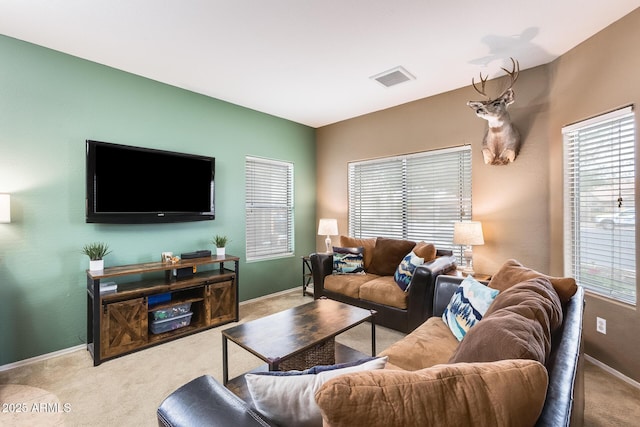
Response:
column 220, row 241
column 96, row 251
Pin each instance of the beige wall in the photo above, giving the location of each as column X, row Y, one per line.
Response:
column 600, row 75
column 520, row 205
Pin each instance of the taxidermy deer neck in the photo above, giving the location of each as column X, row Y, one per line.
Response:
column 501, row 141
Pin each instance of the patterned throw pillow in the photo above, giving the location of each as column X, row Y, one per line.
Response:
column 467, row 306
column 405, row 270
column 348, row 260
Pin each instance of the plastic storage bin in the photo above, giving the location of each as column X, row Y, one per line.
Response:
column 165, row 325
column 173, row 311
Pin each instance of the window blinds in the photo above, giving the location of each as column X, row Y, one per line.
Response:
column 599, row 220
column 269, row 208
column 416, row 197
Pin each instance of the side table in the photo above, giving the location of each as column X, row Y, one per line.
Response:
column 307, row 274
column 478, row 276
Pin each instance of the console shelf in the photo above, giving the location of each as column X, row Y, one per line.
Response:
column 118, row 322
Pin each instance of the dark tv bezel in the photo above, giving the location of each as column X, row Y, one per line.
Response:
column 140, row 217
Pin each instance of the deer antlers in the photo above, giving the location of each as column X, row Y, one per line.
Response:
column 513, row 75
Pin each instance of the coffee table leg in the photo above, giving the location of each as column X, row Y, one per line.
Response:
column 373, row 336
column 225, row 361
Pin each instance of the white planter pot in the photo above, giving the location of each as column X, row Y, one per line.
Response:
column 220, row 252
column 96, row 265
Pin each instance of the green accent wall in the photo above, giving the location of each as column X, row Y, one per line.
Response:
column 50, row 103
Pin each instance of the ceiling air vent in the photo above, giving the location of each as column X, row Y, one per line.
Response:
column 393, row 77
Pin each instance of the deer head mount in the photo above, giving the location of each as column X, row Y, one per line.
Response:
column 501, row 142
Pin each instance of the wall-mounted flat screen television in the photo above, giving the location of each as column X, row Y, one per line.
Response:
column 133, row 185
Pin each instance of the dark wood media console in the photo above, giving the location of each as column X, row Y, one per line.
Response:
column 118, row 322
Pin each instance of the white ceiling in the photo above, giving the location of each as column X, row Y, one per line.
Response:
column 310, row 61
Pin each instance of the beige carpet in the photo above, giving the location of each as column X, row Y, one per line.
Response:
column 69, row 391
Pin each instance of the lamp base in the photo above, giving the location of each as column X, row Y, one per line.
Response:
column 327, row 243
column 468, row 261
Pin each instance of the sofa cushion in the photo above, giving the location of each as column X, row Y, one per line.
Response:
column 289, row 400
column 518, row 325
column 367, row 244
column 384, row 290
column 429, row 344
column 512, row 273
column 388, row 254
column 348, row 260
column 467, row 306
column 347, row 284
column 504, row 393
column 426, row 251
column 404, row 272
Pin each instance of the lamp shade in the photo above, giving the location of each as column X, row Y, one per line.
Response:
column 5, row 208
column 328, row 227
column 468, row 233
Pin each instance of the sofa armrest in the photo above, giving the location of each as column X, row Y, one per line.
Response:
column 444, row 289
column 205, row 402
column 321, row 266
column 565, row 395
column 421, row 289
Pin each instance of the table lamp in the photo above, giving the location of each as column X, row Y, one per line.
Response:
column 328, row 227
column 468, row 233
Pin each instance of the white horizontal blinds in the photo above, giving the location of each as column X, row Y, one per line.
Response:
column 416, row 197
column 600, row 230
column 376, row 198
column 269, row 208
column 439, row 194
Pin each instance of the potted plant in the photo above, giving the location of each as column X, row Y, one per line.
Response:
column 221, row 243
column 96, row 252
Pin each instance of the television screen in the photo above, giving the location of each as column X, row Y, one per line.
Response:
column 140, row 185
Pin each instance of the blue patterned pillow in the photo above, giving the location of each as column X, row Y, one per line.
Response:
column 348, row 260
column 467, row 306
column 405, row 270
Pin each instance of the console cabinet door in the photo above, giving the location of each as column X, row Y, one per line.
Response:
column 124, row 326
column 221, row 302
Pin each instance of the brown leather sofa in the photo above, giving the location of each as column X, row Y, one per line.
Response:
column 204, row 401
column 376, row 289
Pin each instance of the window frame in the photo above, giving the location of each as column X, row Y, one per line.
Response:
column 592, row 183
column 279, row 201
column 419, row 209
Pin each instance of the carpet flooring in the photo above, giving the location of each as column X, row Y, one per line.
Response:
column 69, row 391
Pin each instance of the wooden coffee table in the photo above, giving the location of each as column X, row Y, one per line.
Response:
column 298, row 336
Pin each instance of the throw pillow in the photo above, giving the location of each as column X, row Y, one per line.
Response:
column 290, row 400
column 504, row 393
column 427, row 251
column 518, row 325
column 388, row 254
column 467, row 306
column 404, row 272
column 368, row 245
column 512, row 273
column 348, row 260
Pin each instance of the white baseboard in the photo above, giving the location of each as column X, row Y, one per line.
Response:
column 612, row 371
column 64, row 351
column 42, row 357
column 286, row 291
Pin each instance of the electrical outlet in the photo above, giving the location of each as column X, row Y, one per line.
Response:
column 601, row 325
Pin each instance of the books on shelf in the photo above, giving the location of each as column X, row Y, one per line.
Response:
column 108, row 287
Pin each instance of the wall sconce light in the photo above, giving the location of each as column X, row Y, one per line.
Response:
column 468, row 233
column 328, row 227
column 5, row 208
